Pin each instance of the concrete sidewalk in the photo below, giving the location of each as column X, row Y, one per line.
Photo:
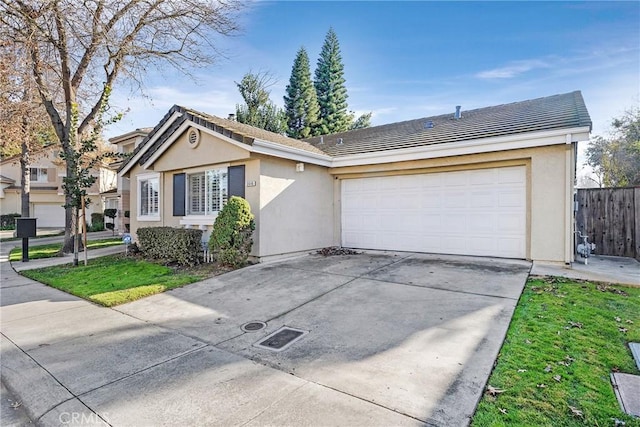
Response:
column 600, row 268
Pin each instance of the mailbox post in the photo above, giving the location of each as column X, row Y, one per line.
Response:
column 25, row 228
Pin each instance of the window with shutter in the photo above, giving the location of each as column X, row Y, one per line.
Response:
column 207, row 192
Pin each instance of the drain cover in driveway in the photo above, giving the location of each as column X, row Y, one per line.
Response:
column 253, row 326
column 281, row 339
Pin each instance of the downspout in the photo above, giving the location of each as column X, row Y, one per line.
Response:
column 569, row 220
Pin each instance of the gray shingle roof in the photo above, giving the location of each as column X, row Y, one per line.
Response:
column 238, row 131
column 552, row 112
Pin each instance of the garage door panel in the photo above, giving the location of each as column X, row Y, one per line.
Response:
column 482, row 177
column 482, row 199
column 510, row 175
column 477, row 212
column 48, row 214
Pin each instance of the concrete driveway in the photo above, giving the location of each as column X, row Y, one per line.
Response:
column 393, row 339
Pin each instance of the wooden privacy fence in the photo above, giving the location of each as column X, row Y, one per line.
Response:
column 611, row 219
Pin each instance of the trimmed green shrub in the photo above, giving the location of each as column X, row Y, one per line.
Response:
column 170, row 245
column 111, row 213
column 97, row 222
column 231, row 238
column 95, row 226
column 97, row 217
column 8, row 221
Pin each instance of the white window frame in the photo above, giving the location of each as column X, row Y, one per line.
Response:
column 222, row 197
column 154, row 216
column 39, row 175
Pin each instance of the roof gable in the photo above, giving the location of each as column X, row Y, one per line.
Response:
column 177, row 116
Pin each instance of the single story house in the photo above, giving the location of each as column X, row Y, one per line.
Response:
column 495, row 181
column 46, row 195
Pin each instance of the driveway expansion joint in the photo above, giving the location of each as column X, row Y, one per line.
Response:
column 457, row 291
column 361, row 276
column 145, row 369
column 73, row 395
column 366, row 400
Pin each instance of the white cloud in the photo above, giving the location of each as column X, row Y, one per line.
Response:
column 513, row 69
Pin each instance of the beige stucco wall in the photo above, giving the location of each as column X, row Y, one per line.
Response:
column 180, row 157
column 300, row 211
column 547, row 175
column 210, row 150
column 296, row 209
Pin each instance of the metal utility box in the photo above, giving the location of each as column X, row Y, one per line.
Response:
column 25, row 227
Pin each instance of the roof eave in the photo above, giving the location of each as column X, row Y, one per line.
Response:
column 136, row 157
column 290, row 153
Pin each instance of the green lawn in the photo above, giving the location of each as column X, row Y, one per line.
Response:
column 53, row 249
column 112, row 280
column 564, row 340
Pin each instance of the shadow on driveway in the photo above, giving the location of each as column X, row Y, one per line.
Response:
column 394, row 339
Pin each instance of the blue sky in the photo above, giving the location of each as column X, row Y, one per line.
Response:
column 406, row 60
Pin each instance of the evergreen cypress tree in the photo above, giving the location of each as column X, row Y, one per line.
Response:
column 300, row 102
column 330, row 88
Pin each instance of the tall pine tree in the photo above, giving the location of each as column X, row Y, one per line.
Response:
column 330, row 88
column 300, row 102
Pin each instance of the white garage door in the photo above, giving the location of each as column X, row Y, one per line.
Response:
column 474, row 212
column 49, row 215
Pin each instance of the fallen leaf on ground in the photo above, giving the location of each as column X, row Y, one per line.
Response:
column 548, row 368
column 527, row 342
column 541, row 386
column 491, row 390
column 557, row 378
column 575, row 411
column 629, row 321
column 623, row 330
column 575, row 324
column 618, row 319
column 502, row 410
column 522, row 370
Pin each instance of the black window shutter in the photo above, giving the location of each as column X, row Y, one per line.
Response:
column 236, row 181
column 179, row 196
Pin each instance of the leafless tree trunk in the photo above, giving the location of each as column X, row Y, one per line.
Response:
column 78, row 50
column 25, row 171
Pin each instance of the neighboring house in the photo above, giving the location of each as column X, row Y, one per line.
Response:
column 46, row 194
column 119, row 198
column 496, row 181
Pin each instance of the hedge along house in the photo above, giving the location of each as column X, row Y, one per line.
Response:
column 494, row 181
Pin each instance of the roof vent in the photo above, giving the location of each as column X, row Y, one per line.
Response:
column 458, row 113
column 428, row 125
column 339, row 141
column 232, row 117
